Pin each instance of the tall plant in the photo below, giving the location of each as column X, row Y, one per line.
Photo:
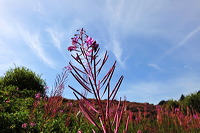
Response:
column 106, row 116
column 46, row 109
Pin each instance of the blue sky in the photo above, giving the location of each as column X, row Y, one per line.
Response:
column 156, row 43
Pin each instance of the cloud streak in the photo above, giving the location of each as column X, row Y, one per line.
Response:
column 56, row 37
column 183, row 42
column 188, row 37
column 34, row 43
column 154, row 66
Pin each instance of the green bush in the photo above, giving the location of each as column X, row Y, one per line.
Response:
column 172, row 104
column 14, row 108
column 23, row 78
column 193, row 101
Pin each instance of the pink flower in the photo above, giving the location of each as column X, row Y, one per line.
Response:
column 139, row 131
column 89, row 41
column 32, row 124
column 61, row 111
column 71, row 48
column 24, row 125
column 54, row 110
column 177, row 109
column 37, row 96
column 7, row 101
column 74, row 41
column 70, row 104
column 195, row 116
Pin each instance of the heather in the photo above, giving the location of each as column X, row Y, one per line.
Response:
column 30, row 110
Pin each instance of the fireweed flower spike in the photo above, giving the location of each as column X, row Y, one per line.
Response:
column 99, row 113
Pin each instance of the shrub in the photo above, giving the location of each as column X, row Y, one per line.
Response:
column 193, row 101
column 23, row 78
column 14, row 108
column 172, row 104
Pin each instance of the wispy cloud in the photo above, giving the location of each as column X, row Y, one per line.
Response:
column 22, row 34
column 117, row 19
column 154, row 66
column 188, row 37
column 183, row 42
column 56, row 37
column 118, row 51
column 34, row 43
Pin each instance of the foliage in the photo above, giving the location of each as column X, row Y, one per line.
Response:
column 193, row 101
column 23, row 78
column 14, row 108
column 172, row 104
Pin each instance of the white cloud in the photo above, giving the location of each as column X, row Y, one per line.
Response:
column 34, row 43
column 117, row 18
column 182, row 43
column 117, row 50
column 154, row 66
column 150, row 18
column 188, row 37
column 17, row 33
column 56, row 38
